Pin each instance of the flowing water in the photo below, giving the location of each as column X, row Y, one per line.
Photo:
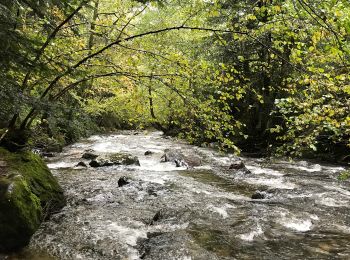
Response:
column 204, row 212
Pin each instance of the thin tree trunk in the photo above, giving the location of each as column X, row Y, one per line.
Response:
column 156, row 124
column 150, row 98
column 91, row 40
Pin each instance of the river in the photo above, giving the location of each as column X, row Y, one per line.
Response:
column 205, row 212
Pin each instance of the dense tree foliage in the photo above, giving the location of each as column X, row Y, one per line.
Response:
column 264, row 75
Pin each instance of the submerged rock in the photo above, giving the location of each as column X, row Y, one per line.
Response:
column 159, row 214
column 149, row 153
column 180, row 163
column 29, row 193
column 258, row 195
column 239, row 166
column 123, row 181
column 115, row 159
column 152, row 191
column 81, row 164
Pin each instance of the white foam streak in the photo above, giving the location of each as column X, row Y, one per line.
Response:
column 251, row 235
column 278, row 183
column 129, row 235
column 222, row 211
column 295, row 223
column 313, row 168
column 267, row 171
column 60, row 165
column 298, row 225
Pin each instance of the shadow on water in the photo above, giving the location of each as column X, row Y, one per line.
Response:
column 27, row 254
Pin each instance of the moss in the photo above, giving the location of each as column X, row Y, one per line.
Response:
column 38, row 176
column 28, row 193
column 345, row 175
column 20, row 215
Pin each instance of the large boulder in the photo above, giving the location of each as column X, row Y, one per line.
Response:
column 115, row 159
column 29, row 193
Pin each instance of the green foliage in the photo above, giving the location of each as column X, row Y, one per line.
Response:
column 344, row 176
column 249, row 74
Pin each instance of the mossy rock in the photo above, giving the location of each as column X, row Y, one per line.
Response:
column 28, row 194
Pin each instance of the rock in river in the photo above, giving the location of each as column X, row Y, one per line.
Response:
column 89, row 155
column 258, row 195
column 81, row 164
column 180, row 159
column 123, row 181
column 239, row 166
column 115, row 159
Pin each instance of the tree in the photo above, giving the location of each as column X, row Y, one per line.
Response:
column 233, row 72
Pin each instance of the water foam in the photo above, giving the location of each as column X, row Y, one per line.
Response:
column 298, row 224
column 260, row 170
column 295, row 223
column 278, row 183
column 251, row 235
column 60, row 165
column 222, row 211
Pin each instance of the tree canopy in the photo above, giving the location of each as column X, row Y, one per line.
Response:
column 265, row 76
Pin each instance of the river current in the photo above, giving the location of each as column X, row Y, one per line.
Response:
column 205, row 212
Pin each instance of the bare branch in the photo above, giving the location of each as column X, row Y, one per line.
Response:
column 129, row 21
column 153, row 54
column 76, row 83
column 93, row 55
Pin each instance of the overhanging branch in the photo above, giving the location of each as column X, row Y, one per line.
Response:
column 116, row 42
